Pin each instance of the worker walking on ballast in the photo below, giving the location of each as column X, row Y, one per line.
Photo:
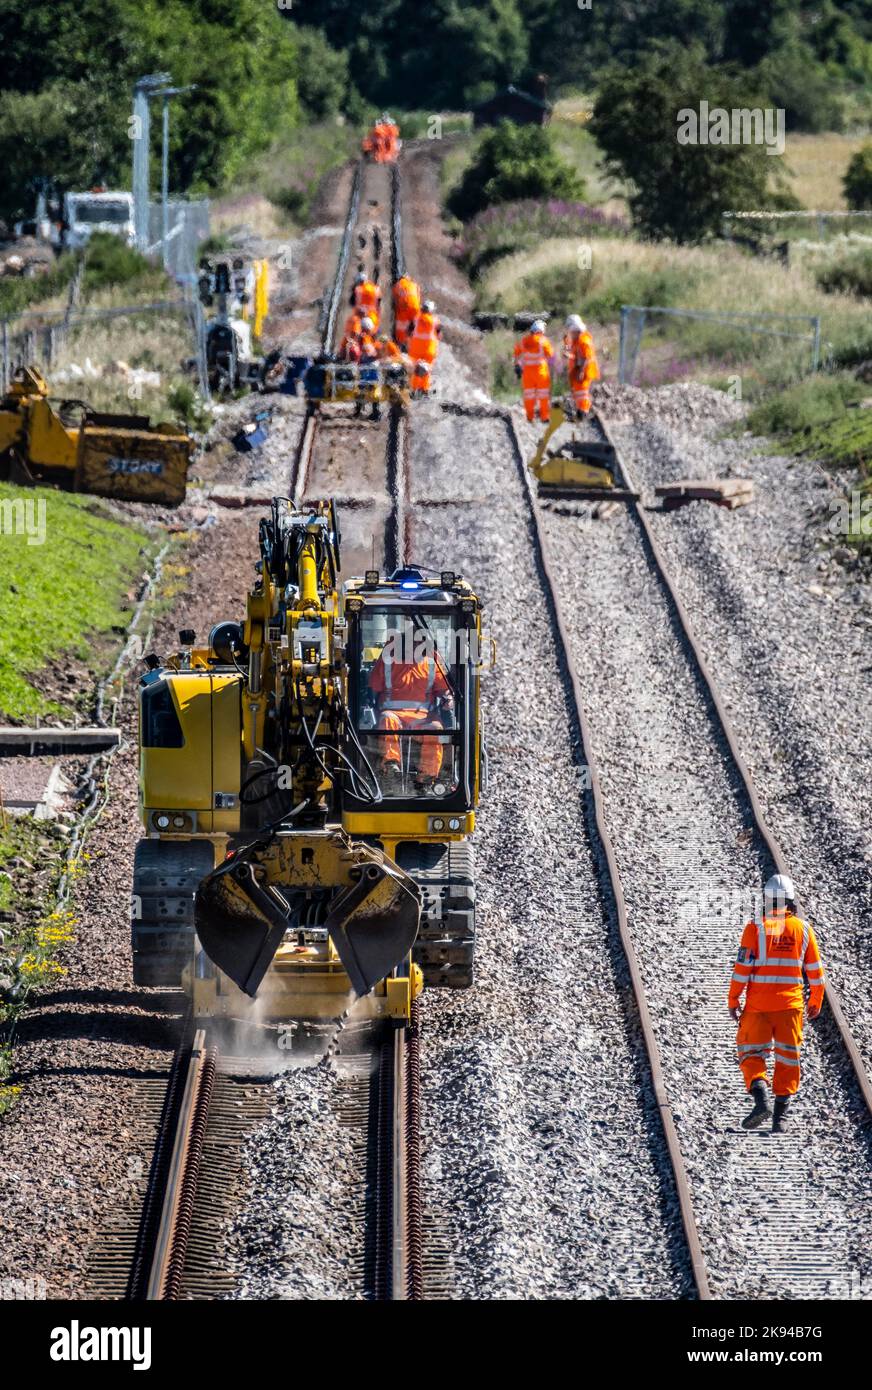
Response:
column 773, row 955
column 533, row 355
column 582, row 368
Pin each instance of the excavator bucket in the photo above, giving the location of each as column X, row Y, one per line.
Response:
column 242, row 919
column 373, row 924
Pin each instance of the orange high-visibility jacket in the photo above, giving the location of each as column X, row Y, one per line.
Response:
column 534, row 353
column 407, row 684
column 389, row 351
column 407, row 299
column 582, row 365
column 368, row 346
column 424, row 343
column 367, row 296
column 772, row 957
column 353, row 324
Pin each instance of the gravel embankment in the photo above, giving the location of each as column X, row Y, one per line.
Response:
column 690, row 871
column 785, row 627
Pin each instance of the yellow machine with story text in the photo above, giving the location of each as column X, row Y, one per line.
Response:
column 122, row 456
column 308, row 785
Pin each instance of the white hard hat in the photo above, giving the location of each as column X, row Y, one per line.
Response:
column 428, row 306
column 574, row 323
column 780, row 888
column 367, row 325
column 537, row 326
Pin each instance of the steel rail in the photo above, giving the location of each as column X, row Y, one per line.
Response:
column 179, row 1195
column 764, row 830
column 664, row 1105
column 329, row 333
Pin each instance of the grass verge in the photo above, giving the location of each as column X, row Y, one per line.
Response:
column 616, row 271
column 823, row 419
column 32, row 854
column 67, row 595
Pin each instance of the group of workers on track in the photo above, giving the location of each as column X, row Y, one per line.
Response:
column 417, row 331
column 534, row 358
column 382, row 143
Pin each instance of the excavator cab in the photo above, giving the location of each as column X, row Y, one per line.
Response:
column 415, row 737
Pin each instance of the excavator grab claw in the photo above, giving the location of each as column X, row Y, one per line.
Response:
column 243, row 916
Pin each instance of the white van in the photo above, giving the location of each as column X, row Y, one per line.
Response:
column 85, row 213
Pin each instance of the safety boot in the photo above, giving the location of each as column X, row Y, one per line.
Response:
column 761, row 1109
column 779, row 1119
column 376, row 411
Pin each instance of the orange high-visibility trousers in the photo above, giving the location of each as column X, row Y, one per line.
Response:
column 402, row 329
column 429, row 749
column 537, row 396
column 758, row 1034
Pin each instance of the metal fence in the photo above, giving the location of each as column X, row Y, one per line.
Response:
column 634, row 318
column 804, row 221
column 38, row 337
column 187, row 225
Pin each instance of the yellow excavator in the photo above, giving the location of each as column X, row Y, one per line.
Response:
column 308, row 785
column 578, row 468
column 122, row 456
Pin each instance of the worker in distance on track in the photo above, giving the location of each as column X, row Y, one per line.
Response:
column 366, row 298
column 773, row 954
column 423, row 348
column 533, row 357
column 581, row 364
column 407, row 307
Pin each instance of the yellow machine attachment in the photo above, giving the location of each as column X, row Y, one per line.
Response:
column 325, row 919
column 579, row 468
column 122, row 456
column 307, row 825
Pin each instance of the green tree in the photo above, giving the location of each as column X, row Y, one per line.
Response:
column 679, row 190
column 857, row 182
column 513, row 162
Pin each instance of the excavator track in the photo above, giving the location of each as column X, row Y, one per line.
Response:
column 445, row 945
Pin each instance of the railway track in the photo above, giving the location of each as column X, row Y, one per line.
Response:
column 174, row 1254
column 789, row 1226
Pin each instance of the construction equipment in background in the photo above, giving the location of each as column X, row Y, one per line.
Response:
column 326, row 379
column 121, row 456
column 578, row 468
column 99, row 210
column 307, row 837
column 239, row 291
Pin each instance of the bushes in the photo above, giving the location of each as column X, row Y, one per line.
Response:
column 19, row 294
column 514, row 162
column 109, row 261
column 857, row 182
column 515, row 226
column 681, row 190
column 853, row 275
column 811, row 402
